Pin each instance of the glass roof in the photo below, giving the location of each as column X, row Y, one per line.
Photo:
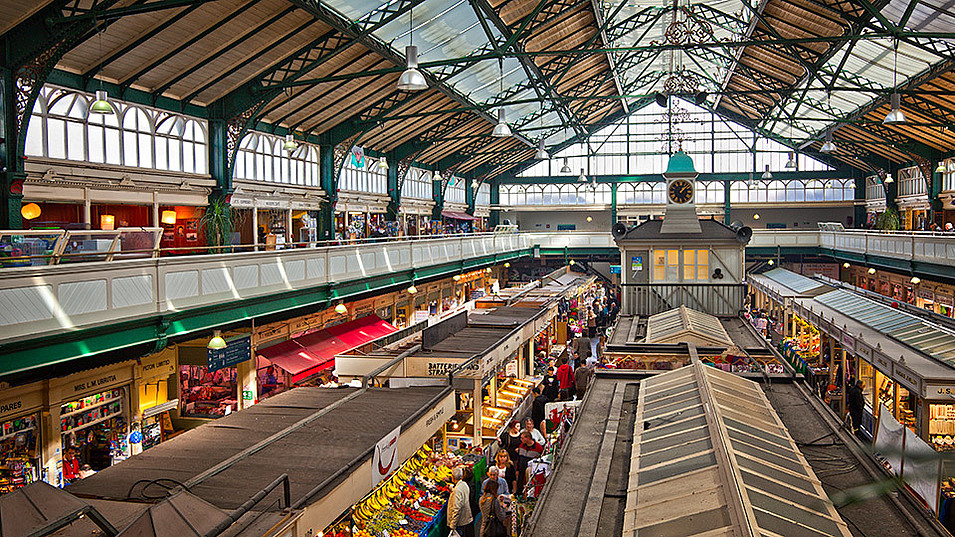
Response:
column 792, row 280
column 923, row 336
column 701, row 424
column 681, row 324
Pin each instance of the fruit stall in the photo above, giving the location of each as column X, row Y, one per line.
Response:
column 411, row 502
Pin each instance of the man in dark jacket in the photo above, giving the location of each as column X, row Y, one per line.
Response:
column 551, row 387
column 581, row 379
column 538, row 414
column 855, row 400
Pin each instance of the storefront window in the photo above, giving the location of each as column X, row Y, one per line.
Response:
column 908, row 409
column 19, row 440
column 96, row 428
column 207, row 394
column 941, row 426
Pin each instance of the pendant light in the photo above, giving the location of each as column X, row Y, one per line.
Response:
column 940, row 168
column 501, row 130
column 767, row 175
column 383, row 163
column 582, row 178
column 541, row 152
column 566, row 167
column 888, row 179
column 411, row 79
column 895, row 116
column 101, row 104
column 791, row 163
column 828, row 147
column 341, row 308
column 290, row 143
column 216, row 343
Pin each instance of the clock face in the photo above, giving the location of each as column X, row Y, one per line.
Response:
column 680, row 191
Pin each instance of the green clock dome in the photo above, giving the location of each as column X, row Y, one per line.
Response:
column 680, row 162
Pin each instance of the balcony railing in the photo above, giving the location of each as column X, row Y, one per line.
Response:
column 39, row 299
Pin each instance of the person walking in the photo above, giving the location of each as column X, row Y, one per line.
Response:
column 581, row 380
column 506, row 469
column 510, row 440
column 551, row 387
column 528, row 451
column 494, row 474
column 492, row 514
column 474, row 495
column 459, row 506
column 565, row 377
column 539, row 407
column 855, row 400
column 537, row 435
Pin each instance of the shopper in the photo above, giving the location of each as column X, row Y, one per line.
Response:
column 494, row 474
column 551, row 386
column 510, row 440
column 539, row 407
column 492, row 514
column 474, row 495
column 855, row 400
column 565, row 377
column 528, row 451
column 581, row 380
column 459, row 507
column 506, row 469
column 537, row 435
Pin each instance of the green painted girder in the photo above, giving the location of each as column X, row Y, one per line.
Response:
column 842, row 173
column 39, row 352
column 117, row 13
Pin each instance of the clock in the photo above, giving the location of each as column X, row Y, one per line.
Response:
column 680, row 191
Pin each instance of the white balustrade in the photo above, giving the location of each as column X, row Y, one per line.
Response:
column 46, row 299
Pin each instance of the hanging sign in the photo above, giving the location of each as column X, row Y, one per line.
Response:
column 358, row 157
column 237, row 349
column 636, row 263
column 385, row 459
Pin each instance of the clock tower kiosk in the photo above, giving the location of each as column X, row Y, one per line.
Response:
column 680, row 213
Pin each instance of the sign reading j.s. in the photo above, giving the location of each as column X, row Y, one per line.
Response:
column 237, row 349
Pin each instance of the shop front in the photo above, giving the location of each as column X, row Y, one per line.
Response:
column 208, row 379
column 20, row 437
column 153, row 375
column 94, row 418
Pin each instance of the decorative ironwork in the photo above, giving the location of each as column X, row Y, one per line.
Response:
column 343, row 151
column 681, row 81
column 688, row 29
column 235, row 130
column 29, row 79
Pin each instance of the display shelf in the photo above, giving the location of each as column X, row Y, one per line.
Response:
column 94, row 422
column 13, row 434
column 90, row 407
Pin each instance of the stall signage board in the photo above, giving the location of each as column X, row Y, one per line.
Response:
column 237, row 350
column 22, row 404
column 848, row 342
column 939, row 391
column 427, row 367
column 157, row 366
column 97, row 382
column 906, row 377
column 385, row 459
column 615, row 269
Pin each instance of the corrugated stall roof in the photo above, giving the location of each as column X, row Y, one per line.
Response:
column 683, row 324
column 797, row 282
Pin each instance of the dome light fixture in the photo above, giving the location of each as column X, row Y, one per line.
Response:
column 888, row 179
column 572, row 262
column 772, row 262
column 341, row 308
column 102, row 105
column 30, row 211
column 767, row 175
column 582, row 178
column 412, row 290
column 828, row 146
column 217, row 342
column 383, row 163
column 915, row 280
column 501, row 130
column 507, row 265
column 756, row 216
column 940, row 168
column 412, row 79
column 541, row 152
column 845, row 265
column 290, row 143
column 791, row 163
column 895, row 116
column 566, row 167
column 590, row 218
column 871, row 270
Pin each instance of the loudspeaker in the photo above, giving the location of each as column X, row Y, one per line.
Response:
column 662, row 99
column 744, row 234
column 619, row 230
column 700, row 98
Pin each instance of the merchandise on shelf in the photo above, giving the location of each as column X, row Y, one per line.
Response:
column 18, row 453
column 408, row 503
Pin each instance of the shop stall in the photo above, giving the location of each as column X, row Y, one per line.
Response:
column 96, row 426
column 20, row 437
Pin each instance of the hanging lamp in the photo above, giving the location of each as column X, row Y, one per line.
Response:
column 101, row 104
column 566, row 167
column 767, row 175
column 828, row 146
column 290, row 143
column 217, row 342
column 541, row 152
column 582, row 177
column 383, row 163
column 895, row 115
column 501, row 130
column 791, row 163
column 940, row 168
column 411, row 79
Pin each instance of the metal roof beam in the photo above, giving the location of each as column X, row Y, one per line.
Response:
column 117, row 13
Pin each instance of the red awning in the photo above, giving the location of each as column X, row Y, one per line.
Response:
column 457, row 215
column 312, row 353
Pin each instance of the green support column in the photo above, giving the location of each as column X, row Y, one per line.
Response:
column 394, row 191
column 12, row 175
column 613, row 202
column 437, row 195
column 495, row 218
column 218, row 216
column 935, row 204
column 727, row 218
column 858, row 213
column 892, row 191
column 470, row 196
column 329, row 182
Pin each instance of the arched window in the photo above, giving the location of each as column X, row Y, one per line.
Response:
column 815, row 190
column 795, row 191
column 739, row 192
column 262, row 157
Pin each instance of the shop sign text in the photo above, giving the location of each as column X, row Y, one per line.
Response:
column 95, row 383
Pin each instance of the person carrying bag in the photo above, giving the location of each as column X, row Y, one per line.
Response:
column 492, row 514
